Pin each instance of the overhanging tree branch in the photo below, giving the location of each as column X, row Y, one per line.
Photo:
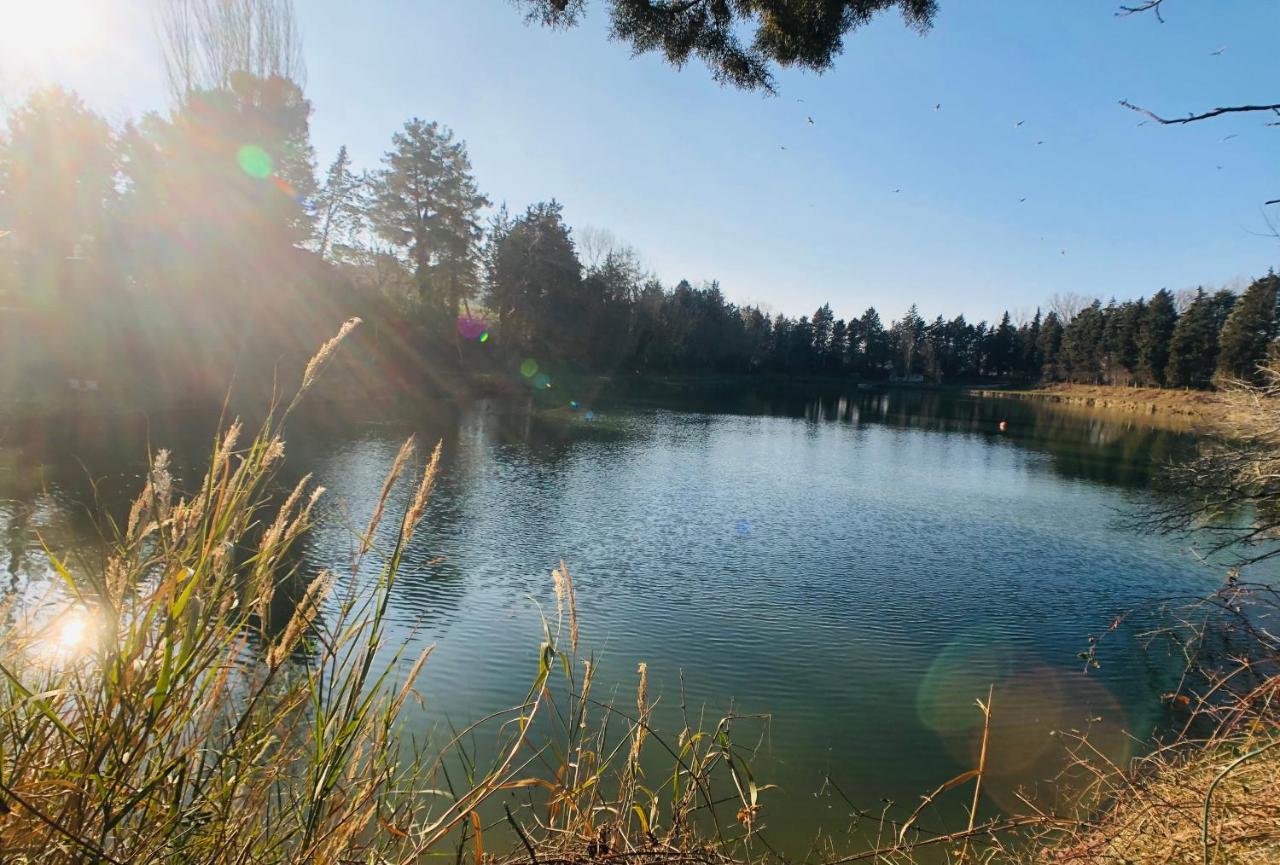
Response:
column 1205, row 115
column 1149, row 6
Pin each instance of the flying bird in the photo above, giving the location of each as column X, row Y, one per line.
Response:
column 1019, row 123
column 1020, row 200
column 938, row 107
column 1064, row 252
column 1231, row 136
column 1218, row 53
column 798, row 99
column 1039, row 143
column 810, row 121
column 899, row 189
column 782, row 146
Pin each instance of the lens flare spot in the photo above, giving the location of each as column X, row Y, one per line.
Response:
column 963, row 671
column 573, row 403
column 1041, row 714
column 529, row 368
column 542, row 381
column 484, row 337
column 285, row 187
column 254, row 161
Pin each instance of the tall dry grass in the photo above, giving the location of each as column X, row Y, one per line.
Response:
column 152, row 711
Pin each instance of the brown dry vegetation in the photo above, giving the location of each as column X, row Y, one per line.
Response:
column 1212, row 795
column 1179, row 408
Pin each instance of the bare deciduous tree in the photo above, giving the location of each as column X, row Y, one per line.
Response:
column 594, row 244
column 204, row 41
column 1229, row 493
column 1270, row 109
column 1067, row 305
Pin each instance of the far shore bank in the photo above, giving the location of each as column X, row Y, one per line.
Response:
column 1193, row 408
column 1181, row 409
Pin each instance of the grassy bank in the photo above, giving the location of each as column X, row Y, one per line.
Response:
column 1182, row 407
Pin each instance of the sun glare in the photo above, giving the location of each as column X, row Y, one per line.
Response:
column 39, row 38
column 69, row 634
column 72, row 633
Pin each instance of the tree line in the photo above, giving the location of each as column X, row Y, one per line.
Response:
column 200, row 241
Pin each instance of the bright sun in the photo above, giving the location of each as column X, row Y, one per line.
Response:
column 40, row 38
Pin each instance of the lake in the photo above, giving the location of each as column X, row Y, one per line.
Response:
column 858, row 566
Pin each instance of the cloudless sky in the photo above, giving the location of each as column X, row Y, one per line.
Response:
column 695, row 177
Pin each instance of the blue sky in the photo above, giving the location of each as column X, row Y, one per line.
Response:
column 695, row 178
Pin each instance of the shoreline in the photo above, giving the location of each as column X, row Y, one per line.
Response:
column 1195, row 408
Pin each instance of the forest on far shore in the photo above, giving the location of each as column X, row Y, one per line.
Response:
column 177, row 251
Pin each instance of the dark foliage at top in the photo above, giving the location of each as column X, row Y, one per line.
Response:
column 803, row 33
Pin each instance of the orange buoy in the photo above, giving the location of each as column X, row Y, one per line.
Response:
column 1004, row 425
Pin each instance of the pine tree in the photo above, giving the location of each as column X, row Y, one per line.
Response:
column 804, row 33
column 839, row 346
column 1082, row 345
column 1193, row 348
column 1121, row 341
column 823, row 322
column 427, row 204
column 1003, row 346
column 534, row 280
column 1049, row 347
column 1248, row 331
column 909, row 334
column 1154, row 334
column 57, row 173
column 339, row 208
column 1221, row 303
column 875, row 346
column 1029, row 362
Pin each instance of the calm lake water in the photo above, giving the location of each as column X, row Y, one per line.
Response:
column 859, row 567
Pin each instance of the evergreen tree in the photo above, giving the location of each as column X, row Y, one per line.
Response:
column 338, row 206
column 823, row 322
column 1221, row 302
column 57, row 174
column 535, row 278
column 426, row 203
column 800, row 353
column 1028, row 362
column 1049, row 347
column 909, row 335
column 1082, row 345
column 961, row 357
column 1248, row 331
column 1121, row 341
column 1003, row 346
column 804, row 33
column 875, row 345
column 1154, row 335
column 1193, row 349
column 935, row 349
column 839, row 346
